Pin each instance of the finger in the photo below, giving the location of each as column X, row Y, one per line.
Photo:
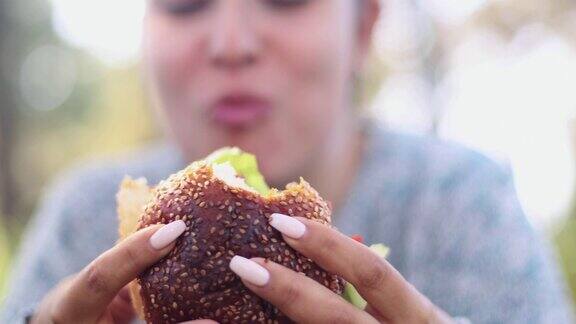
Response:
column 376, row 280
column 299, row 297
column 96, row 285
column 125, row 294
column 121, row 310
column 375, row 313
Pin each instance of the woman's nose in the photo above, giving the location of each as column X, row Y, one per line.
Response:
column 233, row 41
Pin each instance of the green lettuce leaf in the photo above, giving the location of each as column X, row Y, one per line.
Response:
column 245, row 165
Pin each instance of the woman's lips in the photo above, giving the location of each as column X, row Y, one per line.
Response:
column 239, row 110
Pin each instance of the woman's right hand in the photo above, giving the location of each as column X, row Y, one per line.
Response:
column 97, row 294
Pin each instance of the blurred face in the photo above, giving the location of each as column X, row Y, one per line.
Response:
column 272, row 77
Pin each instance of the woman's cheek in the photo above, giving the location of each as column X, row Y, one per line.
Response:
column 321, row 80
column 172, row 63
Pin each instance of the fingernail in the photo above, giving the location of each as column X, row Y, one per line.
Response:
column 288, row 225
column 167, row 234
column 249, row 271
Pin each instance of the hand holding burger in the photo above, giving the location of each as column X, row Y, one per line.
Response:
column 390, row 298
column 97, row 294
column 213, row 242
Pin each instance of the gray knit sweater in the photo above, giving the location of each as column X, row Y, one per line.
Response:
column 450, row 216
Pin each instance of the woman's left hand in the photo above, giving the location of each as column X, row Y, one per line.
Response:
column 391, row 299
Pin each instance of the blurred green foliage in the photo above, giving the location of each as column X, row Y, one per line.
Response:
column 565, row 241
column 5, row 257
column 114, row 118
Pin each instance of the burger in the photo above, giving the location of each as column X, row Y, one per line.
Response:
column 226, row 204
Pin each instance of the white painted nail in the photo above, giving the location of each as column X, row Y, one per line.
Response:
column 288, row 225
column 167, row 234
column 249, row 270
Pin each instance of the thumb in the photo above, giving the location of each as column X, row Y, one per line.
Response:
column 96, row 286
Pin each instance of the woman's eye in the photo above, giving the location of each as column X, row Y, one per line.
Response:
column 286, row 3
column 183, row 7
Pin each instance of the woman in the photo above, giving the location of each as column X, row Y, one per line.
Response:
column 276, row 78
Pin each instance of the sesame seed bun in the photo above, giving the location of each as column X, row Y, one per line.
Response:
column 193, row 281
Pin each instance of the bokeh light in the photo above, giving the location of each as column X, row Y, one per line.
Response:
column 108, row 29
column 47, row 77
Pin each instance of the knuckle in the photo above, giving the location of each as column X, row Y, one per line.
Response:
column 373, row 274
column 290, row 296
column 328, row 244
column 132, row 257
column 95, row 279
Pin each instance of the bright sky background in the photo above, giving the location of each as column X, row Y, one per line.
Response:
column 514, row 102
